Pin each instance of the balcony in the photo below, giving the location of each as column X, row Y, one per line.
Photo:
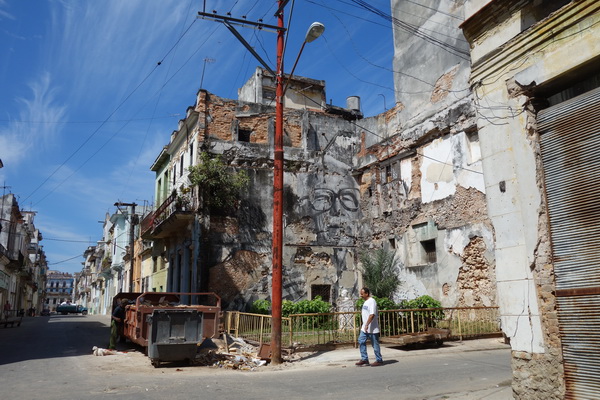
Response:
column 168, row 219
column 16, row 260
column 26, row 274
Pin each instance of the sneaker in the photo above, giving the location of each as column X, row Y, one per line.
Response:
column 362, row 362
column 377, row 364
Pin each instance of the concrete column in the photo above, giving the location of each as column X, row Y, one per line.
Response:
column 185, row 272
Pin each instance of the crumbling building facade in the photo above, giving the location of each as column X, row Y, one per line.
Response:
column 536, row 84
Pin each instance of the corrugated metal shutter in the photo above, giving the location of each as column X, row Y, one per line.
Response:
column 570, row 143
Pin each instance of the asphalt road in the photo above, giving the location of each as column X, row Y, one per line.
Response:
column 51, row 358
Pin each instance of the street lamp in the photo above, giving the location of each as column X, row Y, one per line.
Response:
column 315, row 30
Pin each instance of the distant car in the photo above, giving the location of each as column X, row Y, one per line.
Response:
column 45, row 312
column 65, row 309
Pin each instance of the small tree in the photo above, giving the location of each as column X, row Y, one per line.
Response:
column 220, row 186
column 380, row 273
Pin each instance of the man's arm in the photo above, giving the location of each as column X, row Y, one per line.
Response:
column 371, row 316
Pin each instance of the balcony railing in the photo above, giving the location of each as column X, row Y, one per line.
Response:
column 175, row 203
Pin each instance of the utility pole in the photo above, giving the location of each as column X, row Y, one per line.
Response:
column 277, row 248
column 131, row 239
column 276, row 279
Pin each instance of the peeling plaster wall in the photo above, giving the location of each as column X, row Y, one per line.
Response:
column 424, row 91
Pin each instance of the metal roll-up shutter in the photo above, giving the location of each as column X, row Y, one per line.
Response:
column 570, row 144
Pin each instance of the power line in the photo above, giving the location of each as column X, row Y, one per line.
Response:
column 414, row 30
column 68, row 259
column 109, row 116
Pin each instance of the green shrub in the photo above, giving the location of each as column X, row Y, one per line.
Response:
column 421, row 302
column 424, row 302
column 383, row 303
column 261, row 307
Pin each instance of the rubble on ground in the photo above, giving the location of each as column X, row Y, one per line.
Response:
column 230, row 353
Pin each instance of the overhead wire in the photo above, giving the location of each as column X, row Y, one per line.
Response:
column 108, row 117
column 86, row 122
column 141, row 147
column 414, row 30
column 380, row 66
column 127, row 121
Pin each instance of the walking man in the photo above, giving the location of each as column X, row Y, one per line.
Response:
column 369, row 329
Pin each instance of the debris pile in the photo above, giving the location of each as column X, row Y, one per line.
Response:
column 230, row 353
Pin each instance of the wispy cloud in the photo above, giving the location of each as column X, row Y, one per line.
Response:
column 26, row 138
column 4, row 14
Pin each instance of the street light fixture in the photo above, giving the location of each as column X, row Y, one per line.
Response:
column 315, row 30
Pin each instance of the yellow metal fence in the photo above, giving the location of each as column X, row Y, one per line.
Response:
column 343, row 327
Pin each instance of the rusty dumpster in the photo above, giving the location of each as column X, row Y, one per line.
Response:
column 170, row 326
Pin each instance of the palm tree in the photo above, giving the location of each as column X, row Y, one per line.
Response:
column 380, row 274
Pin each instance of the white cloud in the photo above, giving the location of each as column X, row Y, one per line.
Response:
column 4, row 14
column 25, row 138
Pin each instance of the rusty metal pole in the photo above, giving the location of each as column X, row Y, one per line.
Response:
column 277, row 199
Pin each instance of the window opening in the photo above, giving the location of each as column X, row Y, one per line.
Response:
column 244, row 135
column 430, row 253
column 320, row 290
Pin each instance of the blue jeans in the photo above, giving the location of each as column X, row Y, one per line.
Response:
column 362, row 343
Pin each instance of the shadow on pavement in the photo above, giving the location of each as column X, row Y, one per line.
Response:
column 52, row 337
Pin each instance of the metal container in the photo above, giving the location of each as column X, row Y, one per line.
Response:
column 172, row 320
column 174, row 335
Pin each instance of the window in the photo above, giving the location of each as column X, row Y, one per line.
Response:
column 244, row 135
column 191, row 154
column 320, row 290
column 174, row 174
column 429, row 251
column 473, row 146
column 154, row 264
column 390, row 172
column 181, row 166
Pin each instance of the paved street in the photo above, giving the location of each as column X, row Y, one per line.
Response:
column 51, row 358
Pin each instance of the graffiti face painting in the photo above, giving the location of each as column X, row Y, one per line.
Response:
column 335, row 213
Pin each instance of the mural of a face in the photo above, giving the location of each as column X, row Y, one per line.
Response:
column 334, row 206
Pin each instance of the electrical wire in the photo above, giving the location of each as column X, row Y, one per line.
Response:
column 128, row 121
column 68, row 259
column 412, row 29
column 108, row 117
column 87, row 122
column 141, row 147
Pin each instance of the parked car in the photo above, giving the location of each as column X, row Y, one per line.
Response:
column 65, row 309
column 45, row 312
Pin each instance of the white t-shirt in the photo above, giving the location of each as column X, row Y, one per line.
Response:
column 370, row 307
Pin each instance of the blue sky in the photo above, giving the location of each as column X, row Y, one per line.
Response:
column 86, row 108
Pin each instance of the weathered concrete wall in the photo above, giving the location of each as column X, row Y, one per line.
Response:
column 431, row 67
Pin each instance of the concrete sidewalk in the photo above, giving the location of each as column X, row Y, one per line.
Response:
column 350, row 355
